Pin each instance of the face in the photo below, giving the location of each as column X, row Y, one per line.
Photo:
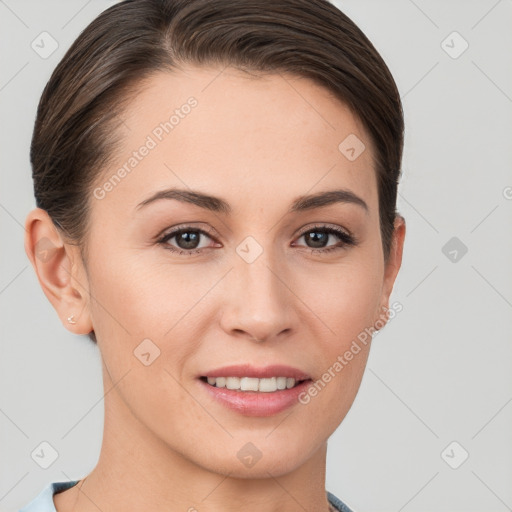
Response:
column 182, row 286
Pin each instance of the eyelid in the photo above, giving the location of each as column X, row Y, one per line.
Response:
column 183, row 227
column 324, row 226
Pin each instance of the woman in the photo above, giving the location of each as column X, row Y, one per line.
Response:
column 216, row 191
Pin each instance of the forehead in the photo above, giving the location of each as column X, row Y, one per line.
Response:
column 222, row 131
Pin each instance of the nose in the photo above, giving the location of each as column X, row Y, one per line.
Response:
column 258, row 304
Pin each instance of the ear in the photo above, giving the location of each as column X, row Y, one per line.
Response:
column 392, row 267
column 60, row 271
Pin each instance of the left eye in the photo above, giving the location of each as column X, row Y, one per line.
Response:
column 319, row 236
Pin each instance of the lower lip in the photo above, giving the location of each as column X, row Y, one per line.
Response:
column 256, row 403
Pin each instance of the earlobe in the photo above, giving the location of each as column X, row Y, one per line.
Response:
column 58, row 268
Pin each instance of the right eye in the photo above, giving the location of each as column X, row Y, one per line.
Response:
column 188, row 240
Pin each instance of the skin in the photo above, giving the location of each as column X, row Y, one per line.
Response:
column 258, row 143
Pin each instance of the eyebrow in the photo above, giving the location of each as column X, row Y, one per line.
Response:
column 216, row 204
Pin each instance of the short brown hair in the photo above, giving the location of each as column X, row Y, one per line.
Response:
column 74, row 133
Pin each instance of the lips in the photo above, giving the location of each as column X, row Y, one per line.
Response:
column 255, row 403
column 253, row 391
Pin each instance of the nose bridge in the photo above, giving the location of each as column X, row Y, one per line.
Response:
column 260, row 303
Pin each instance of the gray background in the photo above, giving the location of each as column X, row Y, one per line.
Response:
column 439, row 372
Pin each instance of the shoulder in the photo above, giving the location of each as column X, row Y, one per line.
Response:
column 337, row 503
column 43, row 502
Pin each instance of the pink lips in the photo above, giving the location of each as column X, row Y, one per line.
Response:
column 256, row 403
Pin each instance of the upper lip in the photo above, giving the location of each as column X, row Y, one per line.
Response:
column 246, row 370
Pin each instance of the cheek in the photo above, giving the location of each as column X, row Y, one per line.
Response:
column 139, row 312
column 146, row 307
column 346, row 299
column 140, row 299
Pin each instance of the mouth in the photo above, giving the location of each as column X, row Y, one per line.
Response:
column 255, row 391
column 254, row 384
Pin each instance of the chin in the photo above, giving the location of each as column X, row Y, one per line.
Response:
column 258, row 458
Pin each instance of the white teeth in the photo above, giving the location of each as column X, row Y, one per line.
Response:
column 249, row 384
column 233, row 382
column 281, row 382
column 266, row 385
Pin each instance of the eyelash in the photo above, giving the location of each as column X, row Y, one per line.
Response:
column 346, row 239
